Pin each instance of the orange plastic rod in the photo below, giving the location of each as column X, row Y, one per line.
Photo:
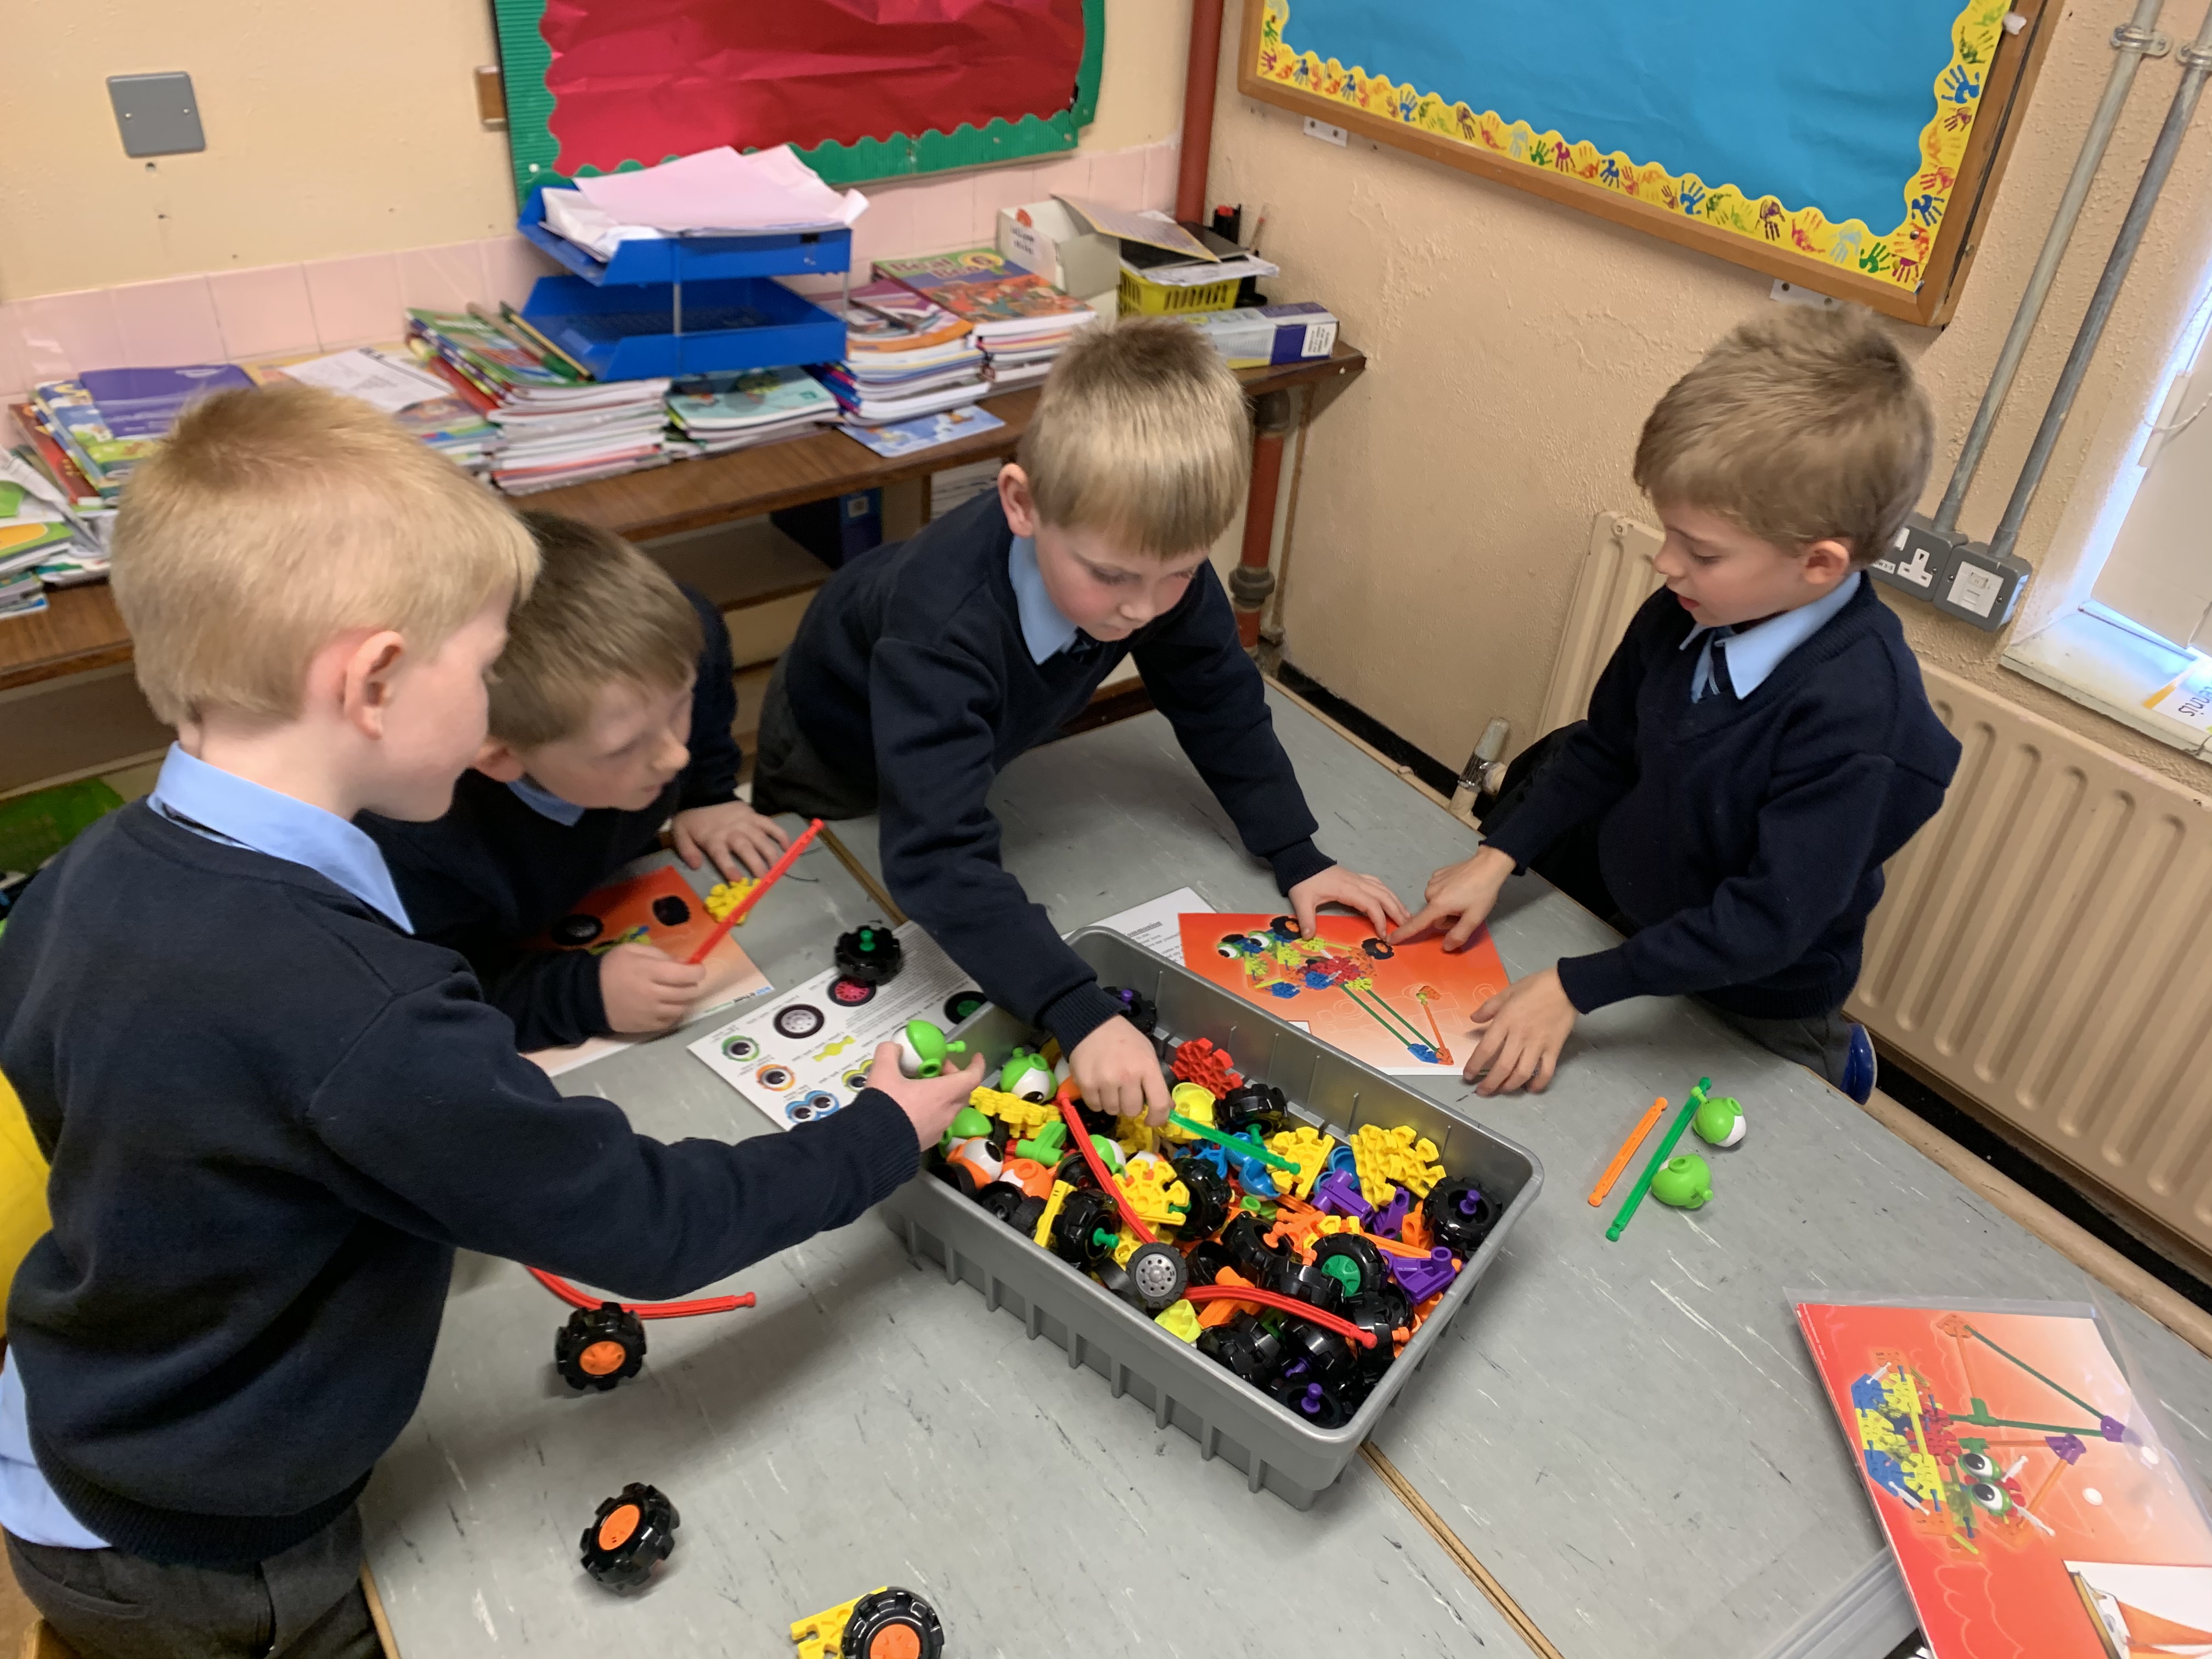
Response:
column 1627, row 1151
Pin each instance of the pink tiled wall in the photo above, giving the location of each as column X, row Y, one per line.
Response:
column 330, row 304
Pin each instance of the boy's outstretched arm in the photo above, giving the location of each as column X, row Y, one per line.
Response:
column 710, row 823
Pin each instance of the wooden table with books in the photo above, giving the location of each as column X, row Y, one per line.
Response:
column 81, row 630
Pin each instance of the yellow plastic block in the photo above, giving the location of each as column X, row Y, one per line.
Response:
column 1307, row 1148
column 1181, row 1318
column 1027, row 1117
column 1125, row 1247
column 1133, row 1135
column 822, row 1635
column 725, row 897
column 1061, row 1189
column 1393, row 1158
column 1153, row 1195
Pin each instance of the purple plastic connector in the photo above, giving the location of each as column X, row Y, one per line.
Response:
column 1421, row 1279
column 1390, row 1219
column 1338, row 1194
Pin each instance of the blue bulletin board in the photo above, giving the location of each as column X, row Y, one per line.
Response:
column 1847, row 147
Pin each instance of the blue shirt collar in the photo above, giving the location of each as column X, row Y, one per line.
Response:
column 224, row 807
column 1756, row 652
column 546, row 804
column 1044, row 631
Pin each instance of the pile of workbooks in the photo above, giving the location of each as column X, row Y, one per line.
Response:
column 555, row 424
column 89, row 432
column 717, row 413
column 424, row 406
column 1018, row 319
column 44, row 542
column 904, row 356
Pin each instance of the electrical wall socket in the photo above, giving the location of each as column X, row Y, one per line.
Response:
column 1982, row 588
column 1326, row 133
column 1916, row 558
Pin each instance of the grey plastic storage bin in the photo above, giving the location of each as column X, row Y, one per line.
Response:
column 1229, row 1419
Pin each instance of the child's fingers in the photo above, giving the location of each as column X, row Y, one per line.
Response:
column 1155, row 1091
column 1463, row 930
column 687, row 846
column 1304, row 909
column 1392, row 906
column 1546, row 1067
column 1422, row 919
column 774, row 831
column 884, row 1068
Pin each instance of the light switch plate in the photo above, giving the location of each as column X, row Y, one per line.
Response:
column 157, row 114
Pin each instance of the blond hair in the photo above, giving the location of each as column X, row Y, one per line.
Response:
column 1141, row 433
column 601, row 611
column 1802, row 426
column 274, row 519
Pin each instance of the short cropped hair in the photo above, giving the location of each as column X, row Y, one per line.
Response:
column 273, row 520
column 1140, row 432
column 601, row 612
column 1802, row 426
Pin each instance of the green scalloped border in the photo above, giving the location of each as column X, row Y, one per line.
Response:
column 524, row 57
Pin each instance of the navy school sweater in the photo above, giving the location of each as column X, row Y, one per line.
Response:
column 494, row 872
column 910, row 674
column 271, row 1118
column 1744, row 837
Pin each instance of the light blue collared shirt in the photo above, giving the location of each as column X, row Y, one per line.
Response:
column 1044, row 631
column 225, row 807
column 1758, row 651
column 546, row 804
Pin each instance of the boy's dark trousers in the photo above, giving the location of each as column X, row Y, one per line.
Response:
column 306, row 1603
column 1821, row 1043
column 789, row 775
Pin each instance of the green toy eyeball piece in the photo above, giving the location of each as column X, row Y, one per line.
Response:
column 1026, row 1074
column 1719, row 1122
column 1685, row 1182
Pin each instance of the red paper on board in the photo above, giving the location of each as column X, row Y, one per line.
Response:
column 644, row 79
column 1404, row 1009
column 2078, row 1539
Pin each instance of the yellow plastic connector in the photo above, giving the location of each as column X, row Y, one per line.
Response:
column 822, row 1636
column 725, row 897
column 1194, row 1100
column 1027, row 1117
column 1388, row 1157
column 1061, row 1189
column 1307, row 1148
column 1181, row 1318
column 1153, row 1195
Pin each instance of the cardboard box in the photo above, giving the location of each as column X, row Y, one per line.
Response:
column 1046, row 238
column 1254, row 336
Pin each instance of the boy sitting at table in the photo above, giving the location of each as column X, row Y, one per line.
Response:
column 611, row 715
column 271, row 1113
column 925, row 667
column 1761, row 742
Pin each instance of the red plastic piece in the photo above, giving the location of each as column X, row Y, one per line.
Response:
column 1289, row 1305
column 739, row 913
column 1097, row 1169
column 706, row 1304
column 1199, row 1062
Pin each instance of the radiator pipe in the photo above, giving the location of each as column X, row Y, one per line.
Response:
column 2132, row 41
column 1197, row 109
column 2196, row 62
column 1252, row 581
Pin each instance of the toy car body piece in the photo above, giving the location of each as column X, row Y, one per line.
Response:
column 1685, row 1181
column 1719, row 1122
column 889, row 1623
column 630, row 1534
column 599, row 1346
column 871, row 954
column 923, row 1050
column 1026, row 1074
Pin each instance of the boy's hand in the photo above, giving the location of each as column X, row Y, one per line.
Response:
column 928, row 1102
column 1116, row 1071
column 740, row 840
column 1338, row 885
column 1519, row 1033
column 644, row 990
column 1466, row 890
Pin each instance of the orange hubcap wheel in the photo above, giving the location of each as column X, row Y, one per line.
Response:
column 602, row 1358
column 615, row 1530
column 897, row 1642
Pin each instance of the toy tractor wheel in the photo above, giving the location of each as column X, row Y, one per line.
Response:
column 870, row 954
column 1353, row 1263
column 630, row 1534
column 599, row 1346
column 1158, row 1276
column 1460, row 1218
column 892, row 1624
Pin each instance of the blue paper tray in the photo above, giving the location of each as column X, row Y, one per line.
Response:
column 693, row 258
column 630, row 332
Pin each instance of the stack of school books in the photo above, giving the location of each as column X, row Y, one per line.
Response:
column 422, row 403
column 43, row 543
column 904, row 356
column 555, row 424
column 1019, row 320
column 92, row 430
column 717, row 413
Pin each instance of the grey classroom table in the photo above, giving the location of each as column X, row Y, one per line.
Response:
column 1629, row 1436
column 866, row 1424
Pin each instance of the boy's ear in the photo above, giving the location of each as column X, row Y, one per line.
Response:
column 364, row 672
column 499, row 763
column 1826, row 561
column 1014, row 496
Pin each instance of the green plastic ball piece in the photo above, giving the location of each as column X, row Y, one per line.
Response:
column 1719, row 1122
column 1685, row 1182
column 967, row 1121
column 1026, row 1074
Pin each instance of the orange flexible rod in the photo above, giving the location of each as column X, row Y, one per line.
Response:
column 1627, row 1151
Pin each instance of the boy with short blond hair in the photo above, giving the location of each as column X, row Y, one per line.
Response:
column 1761, row 742
column 611, row 715
column 271, row 1116
column 924, row 668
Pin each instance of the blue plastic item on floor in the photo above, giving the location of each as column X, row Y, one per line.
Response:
column 1859, row 1066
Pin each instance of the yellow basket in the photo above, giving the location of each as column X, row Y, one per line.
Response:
column 1140, row 298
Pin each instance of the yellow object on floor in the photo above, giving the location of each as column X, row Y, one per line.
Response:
column 23, row 1218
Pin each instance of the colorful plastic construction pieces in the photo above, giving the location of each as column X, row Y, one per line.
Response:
column 1151, row 1192
column 1394, row 1156
column 1180, row 1318
column 1422, row 1279
column 1627, row 1151
column 1308, row 1148
column 1199, row 1062
column 1686, row 1182
column 1339, row 1194
column 1017, row 1112
column 725, row 897
column 1627, row 1211
column 630, row 1535
column 887, row 1623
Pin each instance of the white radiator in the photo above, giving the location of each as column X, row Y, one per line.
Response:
column 2044, row 946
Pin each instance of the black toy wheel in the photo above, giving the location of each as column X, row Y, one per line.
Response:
column 1250, row 1104
column 578, row 929
column 1244, row 1346
column 1003, row 1200
column 892, row 1624
column 962, row 1005
column 850, row 992
column 630, row 1534
column 1314, row 1401
column 1378, row 949
column 671, row 911
column 1283, row 927
column 1288, row 1276
column 1210, row 1198
column 800, row 1021
column 1206, row 1260
column 1139, row 1010
column 1158, row 1276
column 1246, row 1241
column 871, row 954
column 1460, row 1218
column 1352, row 1261
column 599, row 1346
